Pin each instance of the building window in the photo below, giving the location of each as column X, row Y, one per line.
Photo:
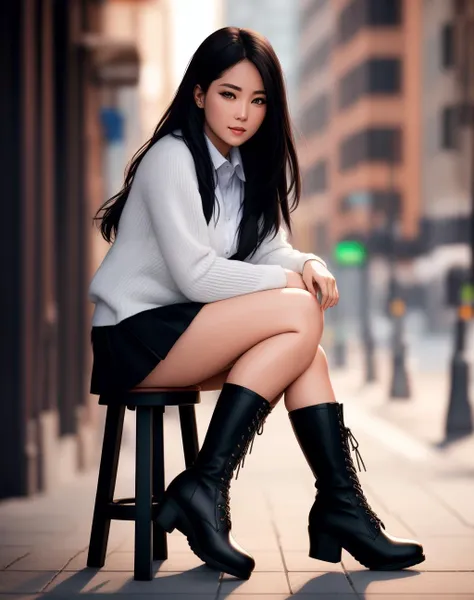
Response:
column 373, row 13
column 315, row 179
column 315, row 118
column 351, row 20
column 447, row 46
column 384, row 12
column 321, row 239
column 384, row 75
column 314, row 6
column 371, row 145
column 384, row 202
column 376, row 76
column 450, row 127
column 317, row 58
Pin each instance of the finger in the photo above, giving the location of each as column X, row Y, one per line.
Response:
column 326, row 296
column 314, row 288
column 333, row 293
column 337, row 294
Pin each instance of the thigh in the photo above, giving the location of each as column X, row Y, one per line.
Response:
column 222, row 331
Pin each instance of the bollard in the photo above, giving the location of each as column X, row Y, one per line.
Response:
column 400, row 385
column 459, row 414
column 367, row 337
column 340, row 354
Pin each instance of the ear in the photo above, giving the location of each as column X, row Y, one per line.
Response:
column 199, row 96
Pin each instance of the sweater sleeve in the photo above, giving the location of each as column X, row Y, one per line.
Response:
column 169, row 189
column 279, row 251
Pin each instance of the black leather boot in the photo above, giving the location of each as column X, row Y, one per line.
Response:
column 341, row 516
column 197, row 501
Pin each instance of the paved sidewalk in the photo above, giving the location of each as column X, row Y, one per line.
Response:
column 418, row 490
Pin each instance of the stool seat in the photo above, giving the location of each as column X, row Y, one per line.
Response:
column 149, row 404
column 153, row 396
column 190, row 388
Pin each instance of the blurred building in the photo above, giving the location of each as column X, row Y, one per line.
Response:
column 85, row 84
column 381, row 140
column 51, row 153
column 58, row 65
column 277, row 20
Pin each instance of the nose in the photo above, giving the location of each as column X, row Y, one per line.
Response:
column 242, row 111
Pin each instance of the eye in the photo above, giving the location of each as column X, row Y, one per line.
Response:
column 230, row 94
column 263, row 101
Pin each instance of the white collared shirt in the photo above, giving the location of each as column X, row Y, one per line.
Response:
column 165, row 252
column 230, row 177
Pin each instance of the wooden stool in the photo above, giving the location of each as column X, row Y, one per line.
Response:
column 149, row 470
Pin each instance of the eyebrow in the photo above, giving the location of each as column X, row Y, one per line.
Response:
column 239, row 89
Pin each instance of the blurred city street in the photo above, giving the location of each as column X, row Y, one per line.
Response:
column 379, row 98
column 420, row 488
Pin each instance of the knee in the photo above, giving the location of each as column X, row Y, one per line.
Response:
column 306, row 310
column 321, row 359
column 310, row 319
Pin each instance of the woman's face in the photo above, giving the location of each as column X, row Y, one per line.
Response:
column 237, row 99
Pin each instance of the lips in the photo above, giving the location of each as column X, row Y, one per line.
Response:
column 237, row 129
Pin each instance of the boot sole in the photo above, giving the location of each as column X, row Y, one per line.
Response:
column 171, row 516
column 327, row 548
column 389, row 567
column 397, row 566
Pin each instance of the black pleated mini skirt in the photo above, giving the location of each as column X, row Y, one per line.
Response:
column 124, row 354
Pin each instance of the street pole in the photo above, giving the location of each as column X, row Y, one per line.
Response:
column 399, row 385
column 340, row 335
column 459, row 414
column 365, row 313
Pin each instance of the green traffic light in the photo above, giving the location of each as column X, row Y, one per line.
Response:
column 350, row 253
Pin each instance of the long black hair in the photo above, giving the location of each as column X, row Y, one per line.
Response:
column 269, row 157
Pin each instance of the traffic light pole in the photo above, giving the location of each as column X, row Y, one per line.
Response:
column 365, row 312
column 459, row 414
column 399, row 386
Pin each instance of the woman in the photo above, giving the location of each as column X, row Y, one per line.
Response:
column 202, row 287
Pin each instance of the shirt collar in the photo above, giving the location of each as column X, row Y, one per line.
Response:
column 218, row 160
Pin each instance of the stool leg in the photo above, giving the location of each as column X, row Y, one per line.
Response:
column 105, row 485
column 187, row 417
column 143, row 495
column 160, row 546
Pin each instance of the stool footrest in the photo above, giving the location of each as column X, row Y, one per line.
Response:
column 150, row 541
column 124, row 509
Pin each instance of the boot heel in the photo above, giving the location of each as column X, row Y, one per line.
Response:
column 324, row 547
column 168, row 515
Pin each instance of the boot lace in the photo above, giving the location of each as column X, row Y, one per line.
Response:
column 237, row 458
column 349, row 438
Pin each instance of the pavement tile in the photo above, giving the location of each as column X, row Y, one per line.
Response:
column 20, row 596
column 259, row 583
column 41, row 560
column 24, row 582
column 268, row 560
column 123, row 561
column 113, row 582
column 319, row 583
column 10, row 554
column 448, row 553
column 412, row 582
column 300, row 561
column 432, row 596
column 254, row 544
column 237, row 594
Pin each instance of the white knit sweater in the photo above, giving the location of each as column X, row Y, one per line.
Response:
column 165, row 252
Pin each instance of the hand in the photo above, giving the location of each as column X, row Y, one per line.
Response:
column 316, row 276
column 294, row 280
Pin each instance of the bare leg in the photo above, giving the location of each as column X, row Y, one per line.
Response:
column 269, row 337
column 313, row 386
